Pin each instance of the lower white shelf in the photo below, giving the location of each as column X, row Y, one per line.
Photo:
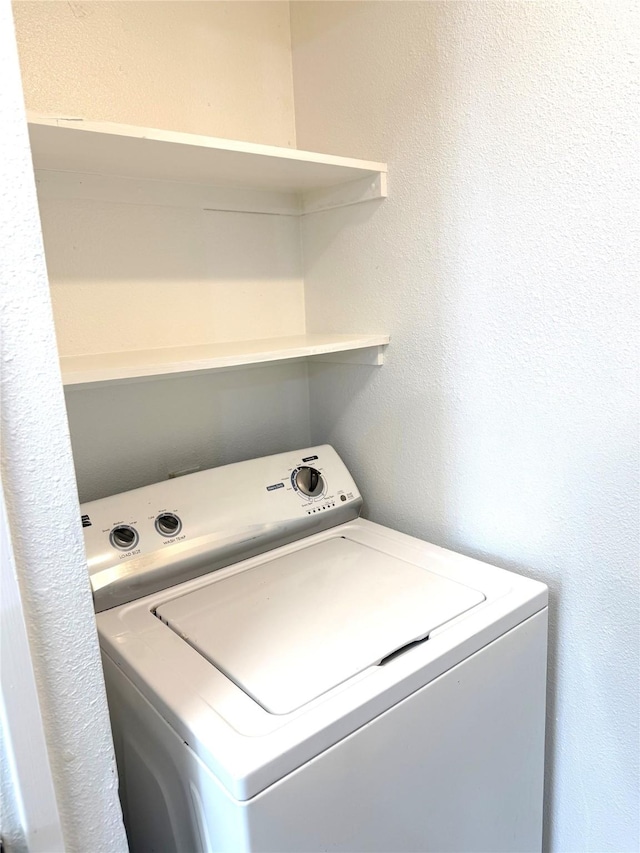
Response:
column 140, row 364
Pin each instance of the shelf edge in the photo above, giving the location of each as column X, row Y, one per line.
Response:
column 116, row 375
column 153, row 134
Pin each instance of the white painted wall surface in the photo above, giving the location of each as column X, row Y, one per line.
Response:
column 136, row 276
column 125, row 436
column 216, row 68
column 44, row 537
column 129, row 276
column 504, row 422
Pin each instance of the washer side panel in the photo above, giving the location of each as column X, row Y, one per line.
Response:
column 171, row 801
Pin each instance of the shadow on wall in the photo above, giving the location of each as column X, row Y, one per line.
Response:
column 130, row 435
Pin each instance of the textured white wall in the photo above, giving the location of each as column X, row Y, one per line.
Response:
column 130, row 276
column 217, row 68
column 504, row 423
column 42, row 511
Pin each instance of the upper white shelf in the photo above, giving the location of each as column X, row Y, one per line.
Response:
column 125, row 151
column 117, row 367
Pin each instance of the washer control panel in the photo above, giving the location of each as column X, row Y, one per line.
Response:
column 212, row 518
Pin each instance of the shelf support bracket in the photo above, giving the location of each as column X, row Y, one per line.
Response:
column 353, row 192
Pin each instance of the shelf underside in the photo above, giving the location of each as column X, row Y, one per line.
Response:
column 146, row 364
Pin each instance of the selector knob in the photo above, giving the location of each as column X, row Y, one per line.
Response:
column 168, row 524
column 309, row 481
column 124, row 537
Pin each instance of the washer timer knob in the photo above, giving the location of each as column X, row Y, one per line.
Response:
column 309, row 481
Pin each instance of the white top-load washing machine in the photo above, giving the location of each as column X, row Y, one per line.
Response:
column 285, row 676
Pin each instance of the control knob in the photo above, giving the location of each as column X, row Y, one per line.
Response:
column 168, row 524
column 309, row 481
column 124, row 537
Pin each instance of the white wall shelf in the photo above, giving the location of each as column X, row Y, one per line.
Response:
column 307, row 181
column 78, row 161
column 117, row 367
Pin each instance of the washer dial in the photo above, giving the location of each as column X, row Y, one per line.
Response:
column 124, row 537
column 308, row 481
column 168, row 524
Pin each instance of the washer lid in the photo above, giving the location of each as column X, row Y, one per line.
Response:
column 292, row 628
